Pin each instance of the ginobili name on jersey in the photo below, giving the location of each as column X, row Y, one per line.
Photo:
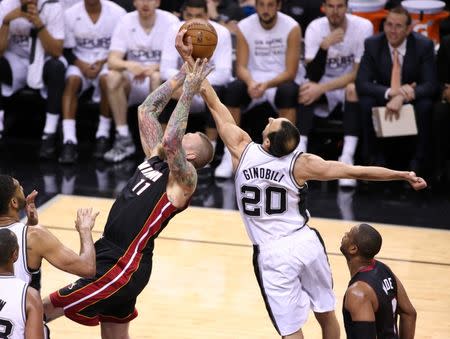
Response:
column 262, row 173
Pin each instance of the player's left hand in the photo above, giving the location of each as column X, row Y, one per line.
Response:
column 31, row 210
column 194, row 79
column 416, row 182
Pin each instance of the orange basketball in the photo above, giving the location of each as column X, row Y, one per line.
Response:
column 204, row 37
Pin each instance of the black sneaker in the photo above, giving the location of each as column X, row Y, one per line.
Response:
column 69, row 153
column 48, row 146
column 102, row 145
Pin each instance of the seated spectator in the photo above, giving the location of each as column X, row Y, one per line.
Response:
column 24, row 25
column 441, row 115
column 221, row 59
column 89, row 27
column 334, row 45
column 398, row 66
column 21, row 310
column 133, row 62
column 302, row 11
column 267, row 58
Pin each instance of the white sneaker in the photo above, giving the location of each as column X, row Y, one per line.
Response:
column 225, row 168
column 347, row 182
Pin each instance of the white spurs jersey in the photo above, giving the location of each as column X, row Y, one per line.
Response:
column 341, row 56
column 267, row 48
column 21, row 270
column 130, row 38
column 19, row 41
column 90, row 41
column 271, row 203
column 222, row 58
column 13, row 292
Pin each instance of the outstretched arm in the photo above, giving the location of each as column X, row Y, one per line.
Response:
column 148, row 112
column 312, row 167
column 235, row 138
column 183, row 172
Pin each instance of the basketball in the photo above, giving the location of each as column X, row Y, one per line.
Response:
column 203, row 35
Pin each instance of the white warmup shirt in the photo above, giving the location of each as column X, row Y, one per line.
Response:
column 267, row 48
column 90, row 41
column 130, row 38
column 341, row 56
column 19, row 41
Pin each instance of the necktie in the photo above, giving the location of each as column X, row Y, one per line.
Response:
column 396, row 71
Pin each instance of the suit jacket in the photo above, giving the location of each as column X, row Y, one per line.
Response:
column 419, row 66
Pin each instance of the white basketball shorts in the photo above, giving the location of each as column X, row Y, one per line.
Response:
column 294, row 276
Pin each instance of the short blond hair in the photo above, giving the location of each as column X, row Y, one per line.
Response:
column 206, row 152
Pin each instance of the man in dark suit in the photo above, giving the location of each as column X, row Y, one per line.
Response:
column 416, row 82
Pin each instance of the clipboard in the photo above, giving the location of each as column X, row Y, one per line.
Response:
column 405, row 125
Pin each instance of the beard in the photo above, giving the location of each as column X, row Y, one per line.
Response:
column 22, row 203
column 344, row 252
column 268, row 21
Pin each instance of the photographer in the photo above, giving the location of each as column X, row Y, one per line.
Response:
column 31, row 43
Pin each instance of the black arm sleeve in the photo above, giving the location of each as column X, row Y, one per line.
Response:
column 316, row 68
column 363, row 330
column 68, row 54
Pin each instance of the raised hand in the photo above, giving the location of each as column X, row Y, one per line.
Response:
column 184, row 49
column 194, row 79
column 85, row 219
column 30, row 209
column 336, row 36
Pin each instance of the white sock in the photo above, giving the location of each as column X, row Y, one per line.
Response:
column 51, row 123
column 68, row 185
column 350, row 144
column 123, row 130
column 303, row 144
column 69, row 131
column 104, row 126
column 2, row 117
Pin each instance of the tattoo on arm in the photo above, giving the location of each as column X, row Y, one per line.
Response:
column 149, row 127
column 176, row 127
column 157, row 100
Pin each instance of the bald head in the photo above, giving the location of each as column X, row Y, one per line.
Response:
column 8, row 245
column 368, row 240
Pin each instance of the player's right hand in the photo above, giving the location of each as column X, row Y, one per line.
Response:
column 85, row 219
column 336, row 36
column 416, row 182
column 185, row 50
